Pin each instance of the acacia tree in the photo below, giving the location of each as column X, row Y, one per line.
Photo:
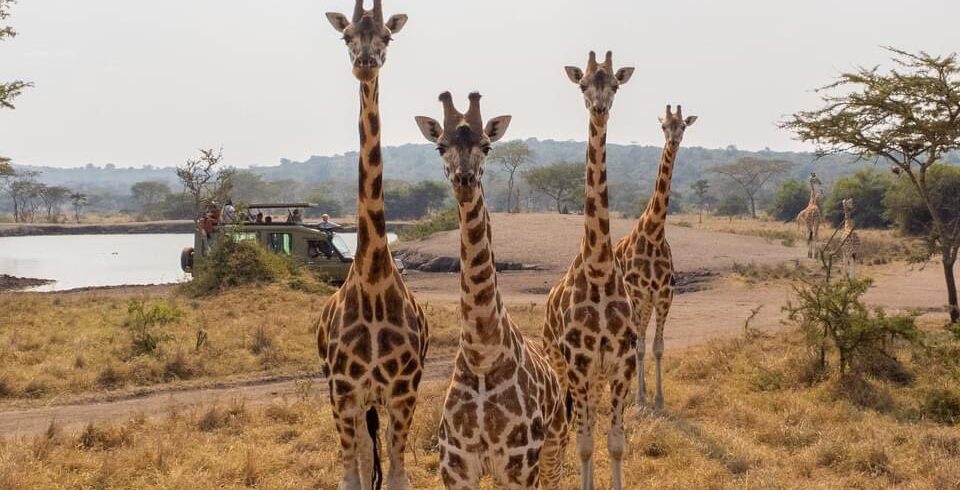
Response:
column 9, row 90
column 700, row 189
column 79, row 200
column 149, row 194
column 511, row 155
column 751, row 174
column 908, row 117
column 559, row 181
column 205, row 180
column 53, row 198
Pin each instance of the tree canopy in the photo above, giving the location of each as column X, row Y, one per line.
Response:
column 751, row 174
column 9, row 90
column 562, row 182
column 907, row 116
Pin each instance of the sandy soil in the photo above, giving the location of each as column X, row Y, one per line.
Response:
column 695, row 318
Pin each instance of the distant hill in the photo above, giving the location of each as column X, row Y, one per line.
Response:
column 412, row 163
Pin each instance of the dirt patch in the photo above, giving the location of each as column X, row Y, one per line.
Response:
column 12, row 283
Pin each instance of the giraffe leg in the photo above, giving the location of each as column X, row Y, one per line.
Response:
column 586, row 420
column 364, row 454
column 401, row 418
column 344, row 415
column 458, row 470
column 644, row 312
column 616, row 439
column 663, row 309
column 554, row 447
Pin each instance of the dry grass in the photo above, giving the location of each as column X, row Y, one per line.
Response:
column 877, row 246
column 742, row 413
column 56, row 347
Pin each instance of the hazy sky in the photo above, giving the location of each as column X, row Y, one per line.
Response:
column 149, row 82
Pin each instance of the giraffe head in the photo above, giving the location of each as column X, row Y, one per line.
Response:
column 463, row 142
column 814, row 180
column 599, row 83
column 848, row 206
column 674, row 125
column 367, row 37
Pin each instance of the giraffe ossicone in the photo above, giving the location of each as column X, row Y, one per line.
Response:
column 504, row 413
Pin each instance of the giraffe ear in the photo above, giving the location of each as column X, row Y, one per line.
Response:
column 573, row 73
column 338, row 21
column 623, row 75
column 497, row 127
column 396, row 23
column 690, row 120
column 429, row 127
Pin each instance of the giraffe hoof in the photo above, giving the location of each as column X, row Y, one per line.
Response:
column 658, row 405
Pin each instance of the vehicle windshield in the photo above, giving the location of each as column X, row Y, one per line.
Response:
column 341, row 246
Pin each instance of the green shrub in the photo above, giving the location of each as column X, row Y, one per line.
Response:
column 868, row 188
column 833, row 317
column 905, row 207
column 792, row 197
column 447, row 220
column 943, row 405
column 239, row 263
column 141, row 320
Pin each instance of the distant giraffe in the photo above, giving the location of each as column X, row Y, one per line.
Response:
column 504, row 414
column 811, row 216
column 372, row 336
column 849, row 241
column 644, row 255
column 588, row 330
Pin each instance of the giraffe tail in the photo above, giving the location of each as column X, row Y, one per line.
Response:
column 373, row 428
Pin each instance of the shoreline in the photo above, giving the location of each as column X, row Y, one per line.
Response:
column 10, row 283
column 132, row 228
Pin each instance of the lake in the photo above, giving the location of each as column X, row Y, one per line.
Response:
column 77, row 261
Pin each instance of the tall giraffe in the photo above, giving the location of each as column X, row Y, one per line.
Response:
column 811, row 217
column 588, row 329
column 504, row 413
column 849, row 240
column 644, row 255
column 372, row 336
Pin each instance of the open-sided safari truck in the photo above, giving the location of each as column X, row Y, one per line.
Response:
column 319, row 249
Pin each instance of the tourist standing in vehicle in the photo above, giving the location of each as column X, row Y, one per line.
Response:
column 229, row 212
column 326, row 224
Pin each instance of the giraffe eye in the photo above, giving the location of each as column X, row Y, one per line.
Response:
column 486, row 150
column 442, row 150
column 583, row 88
column 347, row 38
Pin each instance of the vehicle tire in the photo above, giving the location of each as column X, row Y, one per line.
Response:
column 186, row 259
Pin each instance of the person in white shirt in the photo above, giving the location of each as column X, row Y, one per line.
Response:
column 326, row 224
column 229, row 212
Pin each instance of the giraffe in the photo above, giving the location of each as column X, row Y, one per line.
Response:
column 504, row 413
column 645, row 257
column 372, row 336
column 588, row 329
column 811, row 217
column 849, row 240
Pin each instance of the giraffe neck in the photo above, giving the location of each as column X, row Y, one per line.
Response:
column 812, row 202
column 372, row 259
column 596, row 247
column 847, row 221
column 656, row 210
column 482, row 338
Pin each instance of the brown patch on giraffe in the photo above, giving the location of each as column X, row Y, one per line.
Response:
column 374, row 120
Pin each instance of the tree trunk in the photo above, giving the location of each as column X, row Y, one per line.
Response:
column 753, row 207
column 559, row 210
column 948, row 265
column 510, row 193
column 701, row 215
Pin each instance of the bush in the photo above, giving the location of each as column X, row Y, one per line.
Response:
column 238, row 263
column 943, row 405
column 910, row 214
column 868, row 188
column 141, row 320
column 732, row 205
column 833, row 317
column 449, row 219
column 792, row 197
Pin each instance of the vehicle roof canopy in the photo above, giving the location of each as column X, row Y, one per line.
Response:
column 281, row 205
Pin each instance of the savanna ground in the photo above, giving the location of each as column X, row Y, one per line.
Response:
column 745, row 409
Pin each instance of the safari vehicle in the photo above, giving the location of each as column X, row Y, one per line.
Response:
column 321, row 250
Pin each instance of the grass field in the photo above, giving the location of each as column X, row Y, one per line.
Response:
column 742, row 413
